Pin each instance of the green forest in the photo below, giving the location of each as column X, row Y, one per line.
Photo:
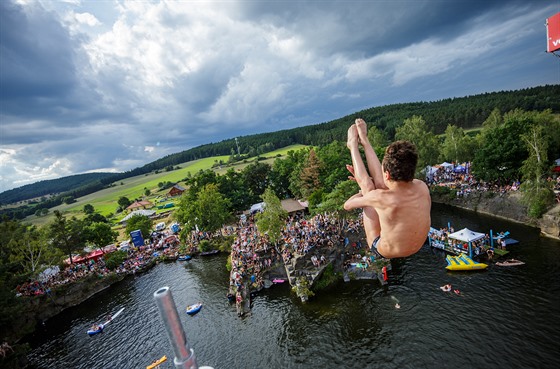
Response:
column 465, row 113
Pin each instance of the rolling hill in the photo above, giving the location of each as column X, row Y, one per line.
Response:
column 466, row 112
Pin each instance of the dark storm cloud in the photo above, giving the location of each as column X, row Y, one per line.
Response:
column 114, row 85
column 36, row 56
column 369, row 27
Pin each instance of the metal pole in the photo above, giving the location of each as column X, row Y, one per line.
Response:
column 184, row 355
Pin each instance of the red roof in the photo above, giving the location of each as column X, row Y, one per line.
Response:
column 96, row 254
column 139, row 204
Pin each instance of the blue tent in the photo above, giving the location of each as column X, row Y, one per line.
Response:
column 137, row 238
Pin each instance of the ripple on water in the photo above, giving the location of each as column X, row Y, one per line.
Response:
column 504, row 317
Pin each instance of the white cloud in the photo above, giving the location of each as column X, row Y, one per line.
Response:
column 17, row 169
column 140, row 73
column 433, row 57
column 87, row 19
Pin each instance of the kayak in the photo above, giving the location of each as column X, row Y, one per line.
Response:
column 157, row 362
column 93, row 332
column 99, row 328
column 184, row 257
column 278, row 280
column 193, row 309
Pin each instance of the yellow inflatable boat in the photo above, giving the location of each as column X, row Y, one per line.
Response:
column 463, row 262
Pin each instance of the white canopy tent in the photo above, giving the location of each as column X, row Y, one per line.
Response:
column 259, row 207
column 430, row 171
column 466, row 235
column 446, row 165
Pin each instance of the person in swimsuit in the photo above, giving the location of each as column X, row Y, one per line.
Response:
column 396, row 207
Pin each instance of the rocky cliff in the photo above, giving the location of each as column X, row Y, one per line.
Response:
column 40, row 308
column 507, row 206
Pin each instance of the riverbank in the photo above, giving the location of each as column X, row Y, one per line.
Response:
column 506, row 206
column 37, row 309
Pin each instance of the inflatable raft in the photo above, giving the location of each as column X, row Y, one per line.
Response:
column 463, row 262
column 193, row 309
column 510, row 262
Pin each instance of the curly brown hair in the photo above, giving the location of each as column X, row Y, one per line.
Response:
column 400, row 161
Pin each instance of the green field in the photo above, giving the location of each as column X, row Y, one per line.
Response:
column 105, row 201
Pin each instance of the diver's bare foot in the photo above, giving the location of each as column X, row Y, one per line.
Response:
column 361, row 127
column 352, row 137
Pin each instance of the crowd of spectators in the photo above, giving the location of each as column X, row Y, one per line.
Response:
column 252, row 254
column 483, row 246
column 465, row 183
column 69, row 274
column 556, row 187
column 138, row 259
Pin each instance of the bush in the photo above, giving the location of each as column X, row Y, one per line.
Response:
column 114, row 259
column 441, row 190
column 224, row 243
column 302, row 288
column 228, row 264
column 328, row 278
column 204, row 246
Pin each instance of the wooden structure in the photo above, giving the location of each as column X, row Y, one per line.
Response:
column 293, row 205
column 176, row 190
column 137, row 205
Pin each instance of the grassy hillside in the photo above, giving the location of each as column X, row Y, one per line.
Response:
column 465, row 112
column 105, row 201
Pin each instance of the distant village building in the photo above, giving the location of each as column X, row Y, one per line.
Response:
column 293, row 205
column 137, row 205
column 176, row 190
column 290, row 205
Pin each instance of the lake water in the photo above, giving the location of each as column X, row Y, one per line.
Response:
column 505, row 317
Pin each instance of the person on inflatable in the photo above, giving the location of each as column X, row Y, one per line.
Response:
column 394, row 204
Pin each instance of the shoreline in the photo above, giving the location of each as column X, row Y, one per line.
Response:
column 507, row 207
column 46, row 307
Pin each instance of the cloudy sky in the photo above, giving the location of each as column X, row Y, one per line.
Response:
column 112, row 85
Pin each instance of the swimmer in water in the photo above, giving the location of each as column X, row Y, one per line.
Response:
column 397, row 306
